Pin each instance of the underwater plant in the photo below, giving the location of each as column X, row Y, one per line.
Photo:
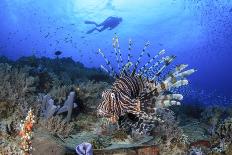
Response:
column 101, row 142
column 119, row 135
column 137, row 93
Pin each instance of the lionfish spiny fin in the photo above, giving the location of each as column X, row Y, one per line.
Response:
column 129, row 51
column 142, row 69
column 112, row 72
column 162, row 60
column 138, row 60
column 116, row 46
column 166, row 63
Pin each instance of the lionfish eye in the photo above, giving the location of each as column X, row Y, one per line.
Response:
column 112, row 95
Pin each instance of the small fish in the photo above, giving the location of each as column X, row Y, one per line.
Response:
column 61, row 27
column 230, row 10
column 47, row 35
column 57, row 53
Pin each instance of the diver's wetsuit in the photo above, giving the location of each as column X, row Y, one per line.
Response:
column 110, row 23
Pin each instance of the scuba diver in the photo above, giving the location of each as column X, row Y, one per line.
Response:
column 110, row 23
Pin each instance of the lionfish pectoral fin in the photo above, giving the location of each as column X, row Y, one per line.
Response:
column 165, row 101
column 178, row 74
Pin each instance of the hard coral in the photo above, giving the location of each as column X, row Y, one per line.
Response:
column 16, row 85
column 57, row 126
column 101, row 142
column 201, row 143
column 90, row 93
column 119, row 135
column 26, row 133
column 5, row 109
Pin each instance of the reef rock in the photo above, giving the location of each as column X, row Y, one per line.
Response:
column 45, row 144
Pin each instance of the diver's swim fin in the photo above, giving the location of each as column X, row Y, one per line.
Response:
column 90, row 22
column 90, row 31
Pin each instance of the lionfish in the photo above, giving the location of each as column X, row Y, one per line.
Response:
column 137, row 92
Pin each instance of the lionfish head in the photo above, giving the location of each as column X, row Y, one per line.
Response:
column 105, row 108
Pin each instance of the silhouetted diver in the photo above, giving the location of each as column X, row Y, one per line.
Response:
column 110, row 22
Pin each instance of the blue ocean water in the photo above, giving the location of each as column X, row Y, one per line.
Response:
column 198, row 32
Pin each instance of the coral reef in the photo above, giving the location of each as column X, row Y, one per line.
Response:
column 9, row 146
column 16, row 85
column 26, row 133
column 171, row 135
column 59, row 93
column 64, row 95
column 90, row 93
column 222, row 138
column 66, row 69
column 120, row 135
column 49, row 108
column 213, row 115
column 5, row 109
column 49, row 115
column 22, row 81
column 56, row 125
column 85, row 122
column 196, row 151
column 101, row 142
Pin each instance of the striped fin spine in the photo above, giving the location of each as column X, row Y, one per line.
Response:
column 166, row 63
column 177, row 77
column 125, row 68
column 173, row 80
column 143, row 69
column 162, row 60
column 140, row 56
column 129, row 51
column 163, row 101
column 104, row 69
column 112, row 72
column 116, row 46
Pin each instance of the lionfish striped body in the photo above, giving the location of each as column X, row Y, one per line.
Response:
column 138, row 93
